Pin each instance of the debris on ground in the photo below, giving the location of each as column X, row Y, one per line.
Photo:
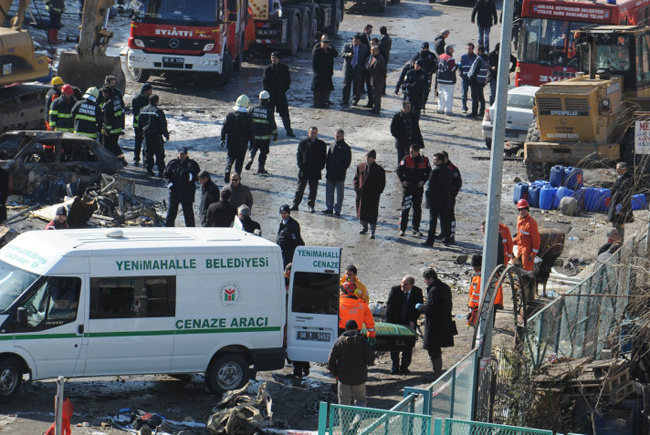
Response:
column 137, row 421
column 240, row 413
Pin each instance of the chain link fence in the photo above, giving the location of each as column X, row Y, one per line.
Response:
column 579, row 323
column 457, row 427
column 351, row 420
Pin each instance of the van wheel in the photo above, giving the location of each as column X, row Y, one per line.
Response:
column 11, row 377
column 228, row 372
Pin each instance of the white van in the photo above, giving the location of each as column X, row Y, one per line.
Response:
column 130, row 301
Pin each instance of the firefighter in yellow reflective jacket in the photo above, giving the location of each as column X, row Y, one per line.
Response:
column 360, row 291
column 87, row 115
column 60, row 115
column 264, row 128
column 353, row 308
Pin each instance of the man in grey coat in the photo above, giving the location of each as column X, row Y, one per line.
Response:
column 339, row 157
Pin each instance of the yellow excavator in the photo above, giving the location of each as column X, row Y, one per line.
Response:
column 21, row 105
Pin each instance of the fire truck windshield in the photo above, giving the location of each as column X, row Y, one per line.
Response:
column 548, row 42
column 178, row 11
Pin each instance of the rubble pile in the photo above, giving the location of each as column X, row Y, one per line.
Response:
column 239, row 413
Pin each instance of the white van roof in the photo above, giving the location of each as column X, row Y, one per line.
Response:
column 37, row 251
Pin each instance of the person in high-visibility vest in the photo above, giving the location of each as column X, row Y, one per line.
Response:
column 527, row 238
column 353, row 308
column 474, row 290
column 351, row 275
column 60, row 115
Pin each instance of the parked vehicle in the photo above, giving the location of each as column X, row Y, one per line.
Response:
column 131, row 301
column 519, row 115
column 39, row 161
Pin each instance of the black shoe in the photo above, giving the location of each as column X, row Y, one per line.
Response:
column 312, row 209
column 136, row 164
column 262, row 172
column 372, row 236
column 337, row 213
column 472, row 115
column 394, row 371
column 427, row 244
column 160, row 175
column 345, row 103
column 448, row 241
column 368, row 106
column 439, row 237
column 294, row 208
column 290, row 133
column 355, row 102
column 150, row 173
column 327, row 212
column 248, row 165
column 375, row 111
column 364, row 231
column 405, row 370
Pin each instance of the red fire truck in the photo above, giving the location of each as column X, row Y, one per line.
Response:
column 546, row 49
column 205, row 37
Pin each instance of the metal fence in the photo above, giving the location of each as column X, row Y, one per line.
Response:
column 351, row 420
column 453, row 394
column 579, row 323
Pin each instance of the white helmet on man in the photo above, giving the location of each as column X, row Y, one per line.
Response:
column 242, row 101
column 264, row 95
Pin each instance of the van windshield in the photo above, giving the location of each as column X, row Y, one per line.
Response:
column 13, row 282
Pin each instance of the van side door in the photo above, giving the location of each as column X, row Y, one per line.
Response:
column 313, row 306
column 53, row 334
column 130, row 325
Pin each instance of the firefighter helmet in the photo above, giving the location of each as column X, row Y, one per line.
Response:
column 67, row 90
column 242, row 101
column 57, row 81
column 264, row 95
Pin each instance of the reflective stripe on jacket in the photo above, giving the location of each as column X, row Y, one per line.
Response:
column 475, row 291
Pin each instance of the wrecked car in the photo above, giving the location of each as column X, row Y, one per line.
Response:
column 51, row 164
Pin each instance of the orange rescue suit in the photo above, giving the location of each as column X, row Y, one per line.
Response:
column 475, row 293
column 506, row 238
column 352, row 308
column 528, row 241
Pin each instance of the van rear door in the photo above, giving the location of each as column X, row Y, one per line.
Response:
column 313, row 306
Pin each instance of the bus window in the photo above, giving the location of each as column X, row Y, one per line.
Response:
column 531, row 30
column 553, row 41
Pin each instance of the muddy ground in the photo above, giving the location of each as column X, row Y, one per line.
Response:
column 195, row 114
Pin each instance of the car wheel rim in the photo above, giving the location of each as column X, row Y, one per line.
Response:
column 8, row 380
column 229, row 375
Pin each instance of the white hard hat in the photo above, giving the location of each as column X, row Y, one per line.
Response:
column 264, row 95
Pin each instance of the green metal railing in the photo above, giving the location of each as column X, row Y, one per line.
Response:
column 352, row 420
column 578, row 323
column 460, row 427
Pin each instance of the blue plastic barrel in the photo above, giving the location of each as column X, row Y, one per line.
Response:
column 572, row 178
column 557, row 175
column 533, row 195
column 546, row 195
column 541, row 183
column 639, row 202
column 561, row 193
column 521, row 192
column 590, row 197
column 604, row 195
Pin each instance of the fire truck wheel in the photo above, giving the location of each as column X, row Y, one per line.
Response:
column 226, row 72
column 294, row 42
column 305, row 22
column 139, row 75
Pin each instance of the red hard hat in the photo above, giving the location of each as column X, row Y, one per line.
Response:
column 67, row 90
column 522, row 204
column 349, row 287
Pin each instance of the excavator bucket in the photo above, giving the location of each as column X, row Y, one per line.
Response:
column 88, row 65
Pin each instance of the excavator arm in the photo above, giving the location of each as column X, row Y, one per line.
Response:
column 17, row 21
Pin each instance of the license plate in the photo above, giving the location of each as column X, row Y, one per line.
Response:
column 269, row 32
column 313, row 336
column 173, row 61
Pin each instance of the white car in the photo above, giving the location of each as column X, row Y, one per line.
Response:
column 519, row 115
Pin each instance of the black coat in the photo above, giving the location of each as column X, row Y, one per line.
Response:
column 438, row 330
column 250, row 225
column 221, row 214
column 493, row 57
column 322, row 62
column 289, row 239
column 183, row 177
column 405, row 128
column 339, row 157
column 439, row 45
column 429, row 61
column 369, row 183
column 439, row 189
column 487, row 13
column 311, row 158
column 152, row 122
column 209, row 195
column 457, row 182
column 621, row 195
column 377, row 72
column 415, row 84
column 395, row 306
column 350, row 357
column 238, row 128
column 138, row 102
column 385, row 44
column 276, row 79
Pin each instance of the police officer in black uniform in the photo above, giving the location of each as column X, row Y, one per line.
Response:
column 276, row 81
column 237, row 132
column 153, row 124
column 416, row 85
column 429, row 65
column 181, row 174
column 265, row 128
column 288, row 237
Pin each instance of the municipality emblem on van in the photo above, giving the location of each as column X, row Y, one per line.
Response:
column 229, row 294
